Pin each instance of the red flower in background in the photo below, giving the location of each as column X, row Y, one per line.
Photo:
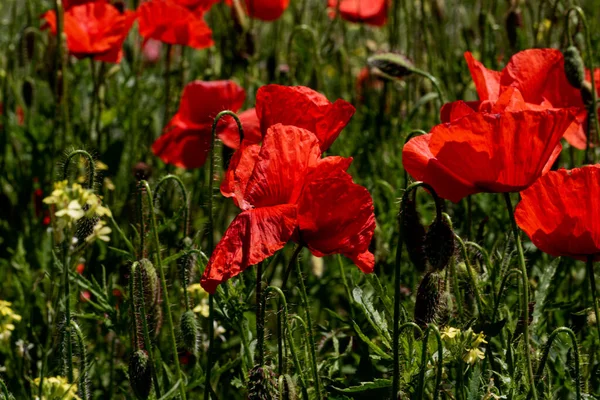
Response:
column 173, row 23
column 95, row 29
column 266, row 10
column 560, row 214
column 286, row 191
column 539, row 75
column 504, row 150
column 370, row 12
column 197, row 5
column 302, row 107
column 186, row 139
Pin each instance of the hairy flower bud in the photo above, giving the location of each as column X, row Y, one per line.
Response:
column 261, row 385
column 140, row 374
column 391, row 64
column 439, row 244
column 189, row 331
column 428, row 299
column 574, row 67
column 27, row 91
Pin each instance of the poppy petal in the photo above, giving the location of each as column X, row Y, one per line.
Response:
column 253, row 236
column 183, row 146
column 487, row 82
column 370, row 12
column 239, row 171
column 266, row 10
column 203, row 100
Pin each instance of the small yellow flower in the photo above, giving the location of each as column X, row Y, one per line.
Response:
column 73, row 211
column 197, row 289
column 202, row 309
column 57, row 387
column 473, row 355
column 449, row 333
column 480, row 339
column 100, row 232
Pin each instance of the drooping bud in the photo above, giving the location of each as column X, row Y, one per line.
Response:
column 439, row 244
column 150, row 284
column 142, row 171
column 189, row 331
column 140, row 374
column 261, row 385
column 414, row 235
column 574, row 67
column 586, row 93
column 27, row 92
column 514, row 20
column 428, row 299
column 391, row 65
column 185, row 263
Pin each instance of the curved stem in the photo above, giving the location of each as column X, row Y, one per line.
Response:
column 165, row 292
column 92, row 166
column 184, row 194
column 82, row 361
column 574, row 346
column 138, row 292
column 592, row 279
column 316, row 57
column 590, row 66
column 311, row 338
column 395, row 345
column 288, row 336
column 435, row 83
column 420, row 387
column 480, row 301
column 525, row 293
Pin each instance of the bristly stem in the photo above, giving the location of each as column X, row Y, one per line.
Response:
column 475, row 284
column 260, row 318
column 395, row 335
column 311, row 338
column 184, row 194
column 592, row 279
column 438, row 379
column 211, row 239
column 82, row 386
column 590, row 66
column 92, row 166
column 163, row 282
column 525, row 282
column 67, row 300
column 574, row 347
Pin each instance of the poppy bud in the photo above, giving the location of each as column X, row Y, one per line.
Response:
column 189, row 331
column 261, row 384
column 392, row 65
column 514, row 20
column 150, row 284
column 185, row 264
column 428, row 299
column 289, row 387
column 28, row 44
column 586, row 93
column 574, row 67
column 414, row 235
column 439, row 244
column 142, row 171
column 140, row 376
column 27, row 92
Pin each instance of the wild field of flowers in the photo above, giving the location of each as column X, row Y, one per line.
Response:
column 299, row 199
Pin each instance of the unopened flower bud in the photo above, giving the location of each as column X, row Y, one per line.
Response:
column 391, row 64
column 439, row 244
column 27, row 92
column 261, row 385
column 428, row 299
column 140, row 374
column 574, row 67
column 189, row 331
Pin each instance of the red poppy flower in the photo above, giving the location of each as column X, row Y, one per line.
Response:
column 540, row 77
column 229, row 134
column 197, row 5
column 559, row 212
column 266, row 10
column 504, row 150
column 370, row 12
column 95, row 29
column 186, row 139
column 172, row 23
column 285, row 191
column 302, row 107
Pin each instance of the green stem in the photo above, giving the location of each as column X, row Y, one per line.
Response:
column 260, row 318
column 67, row 300
column 91, row 163
column 184, row 194
column 592, row 279
column 4, row 389
column 480, row 301
column 163, row 282
column 311, row 339
column 421, row 384
column 525, row 293
column 83, row 389
column 574, row 347
column 395, row 344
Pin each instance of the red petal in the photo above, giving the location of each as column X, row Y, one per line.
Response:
column 116, row 52
column 286, row 156
column 172, row 23
column 183, row 145
column 202, row 101
column 370, row 12
column 253, row 236
column 314, row 112
column 560, row 215
column 229, row 134
column 458, row 109
column 487, row 82
column 240, row 169
column 266, row 10
column 335, row 216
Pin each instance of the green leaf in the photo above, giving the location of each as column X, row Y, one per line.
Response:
column 378, row 350
column 378, row 385
column 542, row 292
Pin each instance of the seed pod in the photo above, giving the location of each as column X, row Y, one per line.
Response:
column 574, row 67
column 27, row 92
column 391, row 64
column 189, row 331
column 428, row 299
column 514, row 20
column 261, row 385
column 140, row 374
column 439, row 244
column 414, row 235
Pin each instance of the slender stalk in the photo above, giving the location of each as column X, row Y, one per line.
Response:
column 260, row 318
column 311, row 338
column 525, row 297
column 5, row 389
column 480, row 301
column 91, row 163
column 83, row 389
column 438, row 379
column 184, row 194
column 592, row 279
column 574, row 347
column 67, row 300
column 211, row 240
column 163, row 282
